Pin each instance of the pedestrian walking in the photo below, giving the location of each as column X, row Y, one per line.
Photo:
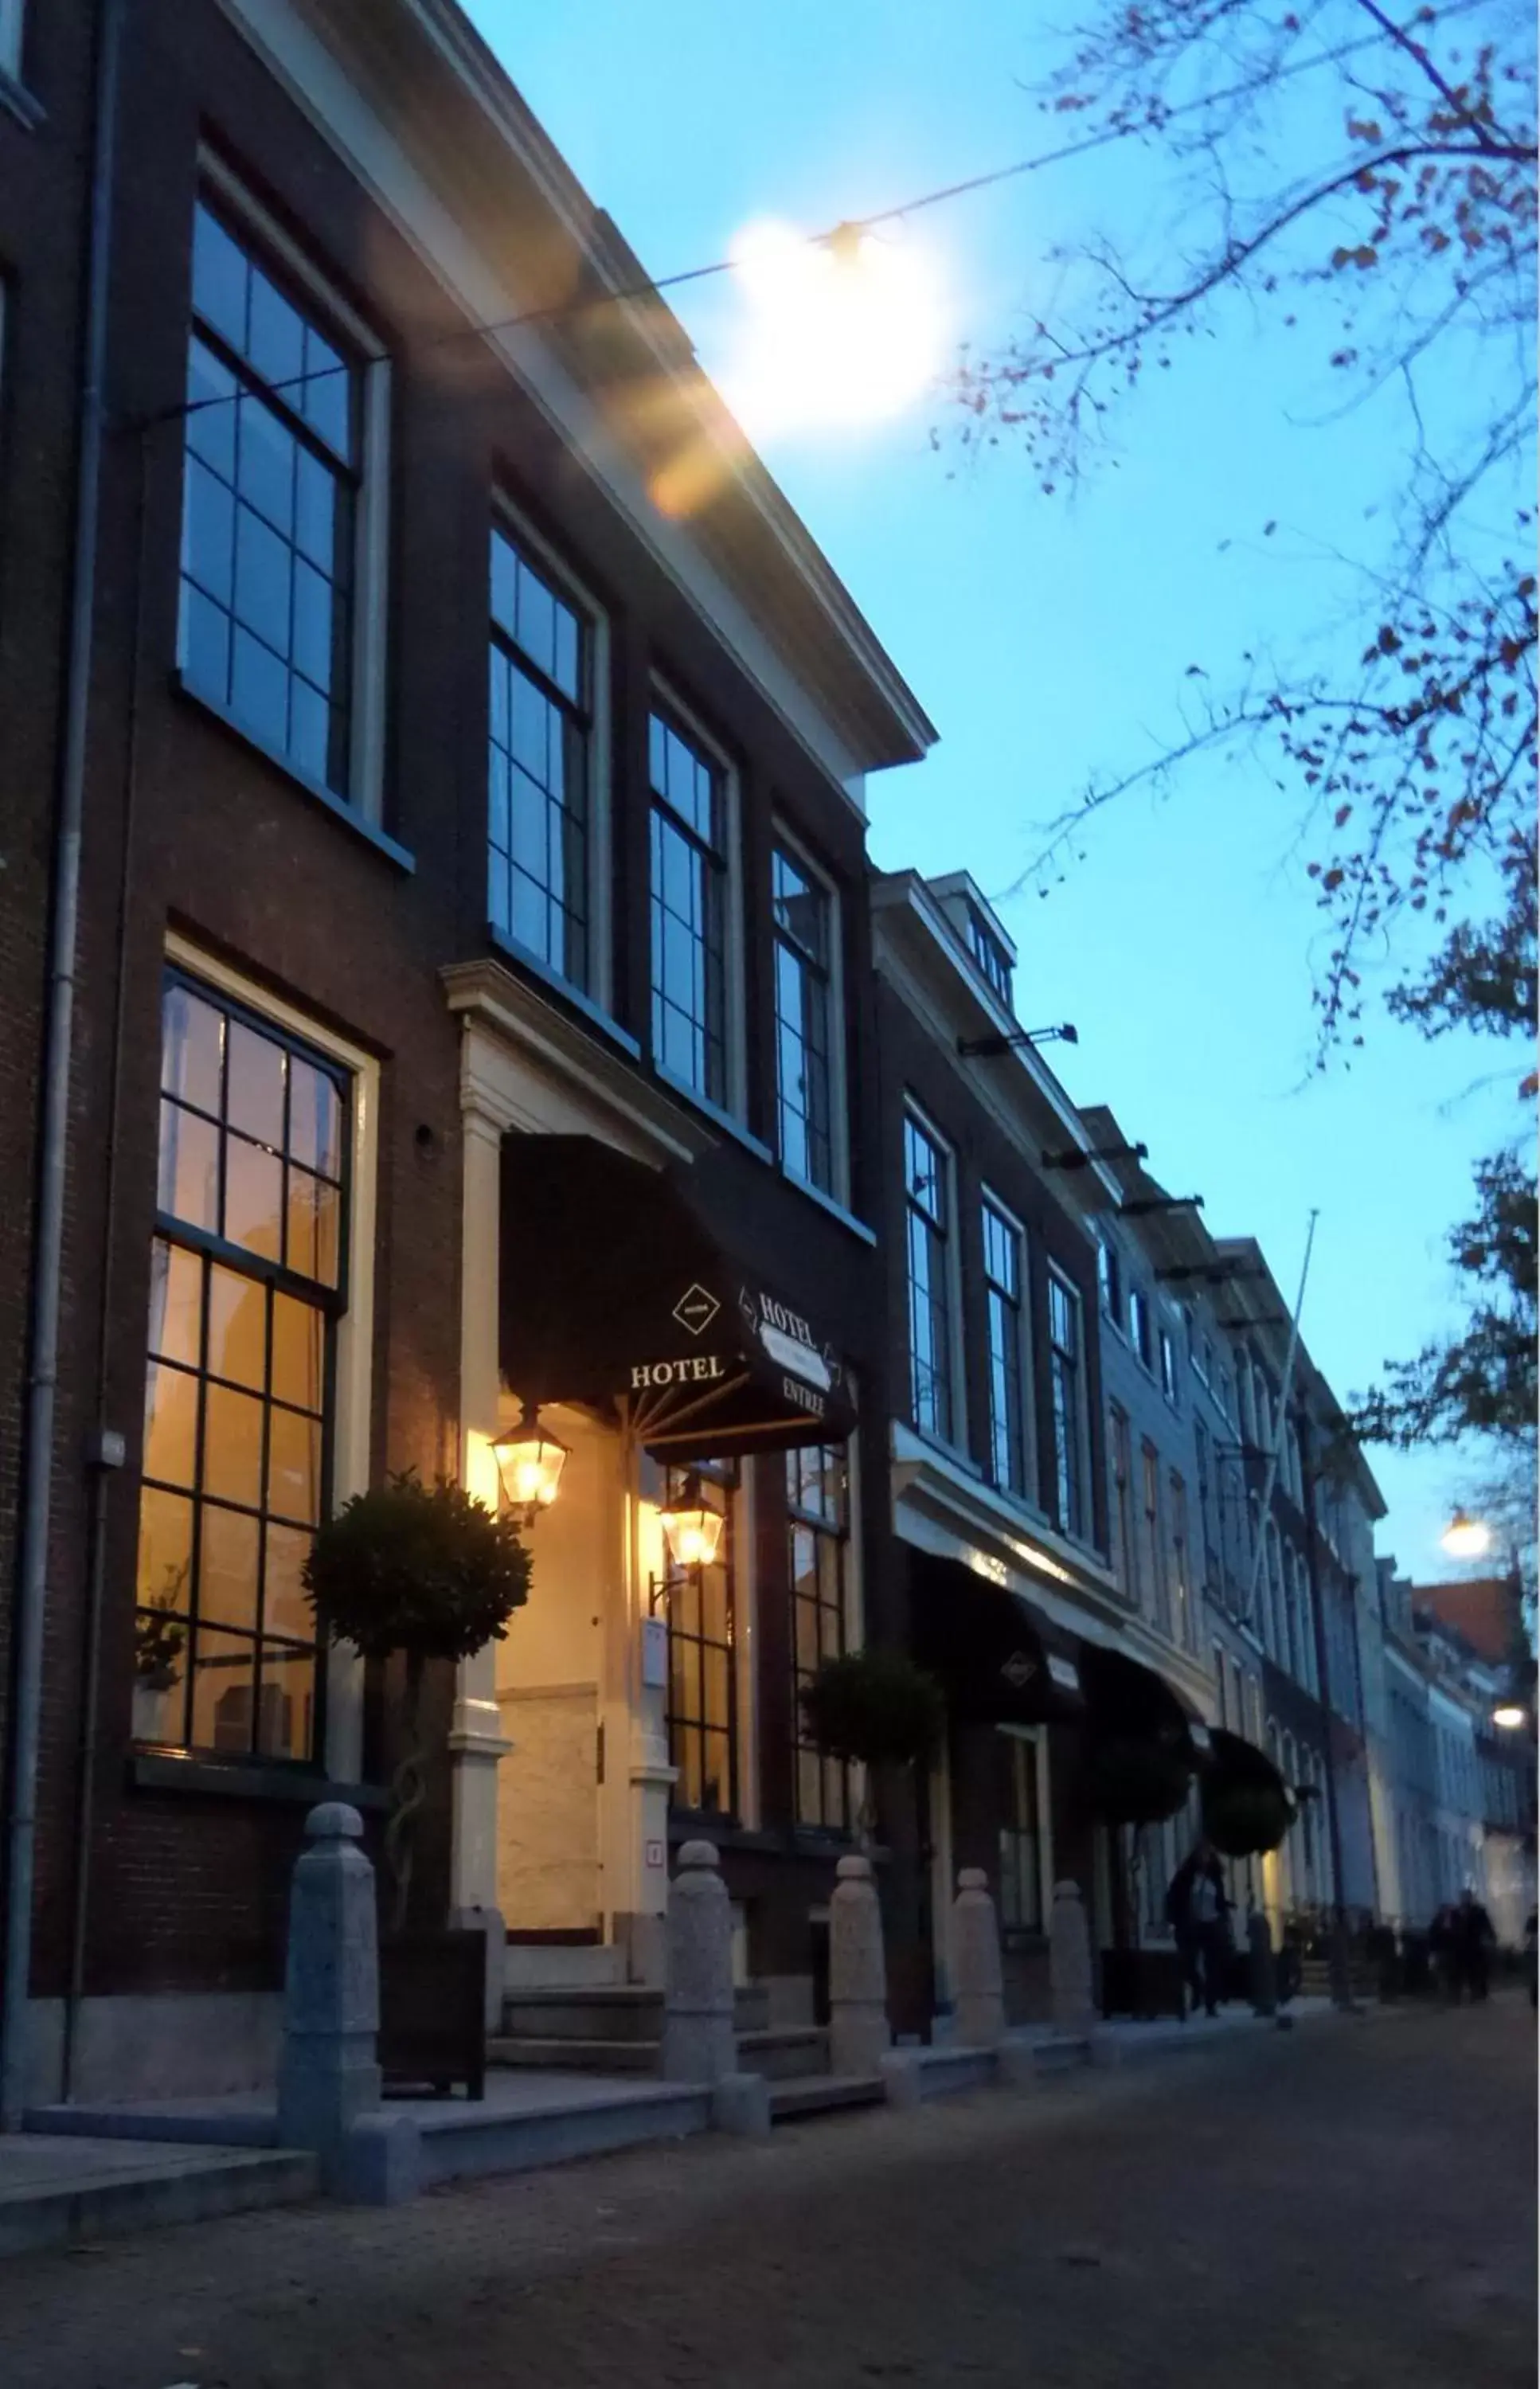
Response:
column 1474, row 1939
column 1197, row 1906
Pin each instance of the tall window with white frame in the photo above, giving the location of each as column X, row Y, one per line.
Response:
column 270, row 484
column 1021, row 1833
column 247, row 1285
column 1067, row 1384
column 540, row 869
column 1183, row 1620
column 1006, row 1329
column 1109, row 1278
column 927, row 1191
column 1151, row 1540
column 804, row 1017
column 818, row 1533
column 1139, row 1325
column 1125, row 1548
column 703, row 1679
column 990, row 953
column 689, row 832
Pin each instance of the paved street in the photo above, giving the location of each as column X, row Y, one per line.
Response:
column 1348, row 2206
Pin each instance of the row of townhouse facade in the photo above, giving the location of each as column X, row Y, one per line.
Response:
column 467, row 999
column 1463, row 1788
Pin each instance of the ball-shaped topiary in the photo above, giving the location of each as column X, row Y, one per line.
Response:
column 423, row 1569
column 1137, row 1780
column 872, row 1708
column 1245, row 1820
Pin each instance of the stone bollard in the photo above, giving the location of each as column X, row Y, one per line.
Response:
column 858, row 2035
column 1259, row 1958
column 329, row 2076
column 1069, row 1963
column 699, row 2044
column 980, row 1989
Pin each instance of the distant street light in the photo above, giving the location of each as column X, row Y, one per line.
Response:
column 1466, row 1538
column 1509, row 1716
column 847, row 329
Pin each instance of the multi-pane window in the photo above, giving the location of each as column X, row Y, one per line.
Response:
column 1002, row 1289
column 270, row 496
column 1125, row 1550
column 927, row 1192
column 990, row 953
column 248, row 1283
column 1152, row 1543
column 1169, row 1365
column 1181, row 1567
column 1138, row 1324
column 1109, row 1278
column 703, row 1680
column 1065, row 1378
column 688, row 909
column 1020, row 1838
column 818, row 1533
column 804, row 1019
column 538, row 868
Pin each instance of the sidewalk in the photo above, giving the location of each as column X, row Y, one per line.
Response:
column 57, row 2192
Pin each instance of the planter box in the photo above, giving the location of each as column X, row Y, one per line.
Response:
column 432, row 2013
column 1143, row 1983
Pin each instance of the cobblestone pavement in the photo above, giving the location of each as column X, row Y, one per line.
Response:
column 1343, row 2206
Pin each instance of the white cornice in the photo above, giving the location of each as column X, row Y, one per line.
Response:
column 533, row 1069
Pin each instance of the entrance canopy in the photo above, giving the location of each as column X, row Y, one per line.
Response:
column 998, row 1659
column 1132, row 1702
column 617, row 1290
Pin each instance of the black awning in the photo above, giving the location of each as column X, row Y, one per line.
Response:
column 1128, row 1700
column 1237, row 1762
column 998, row 1659
column 616, row 1289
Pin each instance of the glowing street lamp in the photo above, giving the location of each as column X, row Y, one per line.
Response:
column 843, row 329
column 1466, row 1538
column 530, row 1462
column 692, row 1528
column 1509, row 1718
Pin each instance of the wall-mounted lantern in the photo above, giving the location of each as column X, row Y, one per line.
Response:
column 530, row 1462
column 692, row 1528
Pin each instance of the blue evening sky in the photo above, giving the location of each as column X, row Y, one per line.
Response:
column 1047, row 639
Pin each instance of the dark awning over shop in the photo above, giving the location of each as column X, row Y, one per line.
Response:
column 614, row 1289
column 1236, row 1761
column 1128, row 1700
column 1000, row 1660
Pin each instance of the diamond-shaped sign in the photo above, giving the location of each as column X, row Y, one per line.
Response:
column 1018, row 1669
column 695, row 1308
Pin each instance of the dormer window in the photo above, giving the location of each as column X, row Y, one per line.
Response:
column 990, row 953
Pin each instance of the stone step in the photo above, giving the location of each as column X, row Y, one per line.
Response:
column 54, row 2191
column 1062, row 2054
column 571, row 2056
column 822, row 2094
column 562, row 1966
column 791, row 2053
column 618, row 2012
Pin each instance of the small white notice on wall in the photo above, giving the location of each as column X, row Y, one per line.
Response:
column 654, row 1654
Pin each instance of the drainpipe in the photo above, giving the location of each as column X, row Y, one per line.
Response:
column 43, row 1364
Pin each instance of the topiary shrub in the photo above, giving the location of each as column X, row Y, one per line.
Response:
column 1245, row 1820
column 1136, row 1779
column 872, row 1708
column 427, row 1570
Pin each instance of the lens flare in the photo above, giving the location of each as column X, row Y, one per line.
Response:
column 841, row 332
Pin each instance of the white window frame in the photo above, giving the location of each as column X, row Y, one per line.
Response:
column 506, row 516
column 1146, row 1310
column 371, row 535
column 839, row 1103
column 351, row 1426
column 1027, row 1491
column 13, row 19
column 956, row 1348
column 662, row 694
column 1086, row 1531
column 1037, row 1738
